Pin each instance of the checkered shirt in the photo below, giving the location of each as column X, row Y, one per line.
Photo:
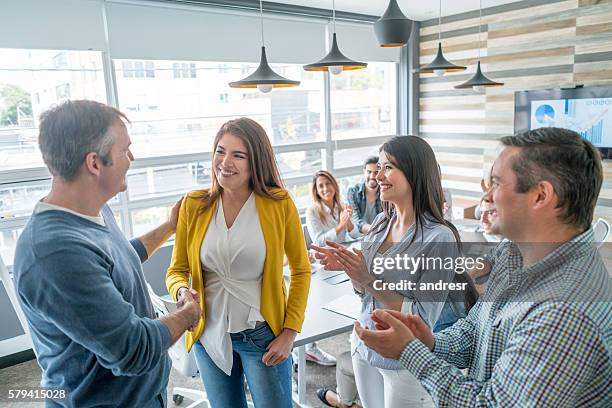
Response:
column 541, row 336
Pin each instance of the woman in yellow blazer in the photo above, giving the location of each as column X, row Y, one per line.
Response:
column 229, row 247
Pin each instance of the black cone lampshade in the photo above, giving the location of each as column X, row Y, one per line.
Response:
column 393, row 29
column 478, row 80
column 264, row 77
column 440, row 64
column 335, row 58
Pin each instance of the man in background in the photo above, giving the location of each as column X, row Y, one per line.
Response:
column 365, row 197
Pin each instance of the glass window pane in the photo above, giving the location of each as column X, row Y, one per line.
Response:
column 363, row 102
column 17, row 200
column 188, row 114
column 301, row 195
column 298, row 164
column 30, row 82
column 353, row 157
column 346, row 182
column 144, row 220
column 175, row 179
column 8, row 242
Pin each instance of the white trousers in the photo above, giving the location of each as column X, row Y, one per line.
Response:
column 380, row 388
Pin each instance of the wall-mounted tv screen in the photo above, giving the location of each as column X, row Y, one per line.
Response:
column 588, row 111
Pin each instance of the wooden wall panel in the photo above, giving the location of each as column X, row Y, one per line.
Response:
column 532, row 44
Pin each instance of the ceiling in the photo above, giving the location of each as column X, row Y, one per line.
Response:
column 414, row 9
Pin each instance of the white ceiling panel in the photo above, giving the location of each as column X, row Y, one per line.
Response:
column 415, row 9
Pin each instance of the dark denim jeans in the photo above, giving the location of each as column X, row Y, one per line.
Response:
column 269, row 386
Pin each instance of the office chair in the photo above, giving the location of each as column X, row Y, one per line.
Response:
column 601, row 231
column 307, row 237
column 10, row 291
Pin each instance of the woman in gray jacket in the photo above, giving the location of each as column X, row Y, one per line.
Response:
column 404, row 248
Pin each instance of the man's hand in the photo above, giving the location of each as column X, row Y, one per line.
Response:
column 189, row 302
column 174, row 214
column 414, row 322
column 278, row 350
column 153, row 239
column 389, row 342
column 186, row 317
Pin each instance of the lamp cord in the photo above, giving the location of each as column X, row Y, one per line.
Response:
column 261, row 20
column 440, row 22
column 334, row 14
column 479, row 28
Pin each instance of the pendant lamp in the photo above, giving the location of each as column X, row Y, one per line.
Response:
column 393, row 28
column 478, row 82
column 335, row 62
column 440, row 65
column 264, row 78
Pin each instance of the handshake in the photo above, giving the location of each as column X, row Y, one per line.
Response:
column 189, row 306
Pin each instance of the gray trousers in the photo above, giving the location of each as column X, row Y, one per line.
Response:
column 345, row 379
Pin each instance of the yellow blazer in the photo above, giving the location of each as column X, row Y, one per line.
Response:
column 282, row 233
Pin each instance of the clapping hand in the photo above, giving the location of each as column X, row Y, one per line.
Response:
column 338, row 258
column 390, row 341
column 345, row 217
column 414, row 322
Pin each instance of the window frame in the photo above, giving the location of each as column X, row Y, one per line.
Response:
column 125, row 206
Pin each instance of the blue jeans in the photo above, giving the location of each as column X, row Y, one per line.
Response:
column 269, row 386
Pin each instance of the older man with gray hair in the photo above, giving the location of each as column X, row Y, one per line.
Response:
column 80, row 282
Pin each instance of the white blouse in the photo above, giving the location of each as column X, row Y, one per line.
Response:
column 321, row 231
column 232, row 261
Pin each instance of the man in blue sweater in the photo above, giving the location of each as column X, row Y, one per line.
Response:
column 80, row 282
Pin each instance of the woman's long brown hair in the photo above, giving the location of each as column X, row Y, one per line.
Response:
column 318, row 202
column 265, row 177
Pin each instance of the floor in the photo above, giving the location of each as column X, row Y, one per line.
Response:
column 28, row 375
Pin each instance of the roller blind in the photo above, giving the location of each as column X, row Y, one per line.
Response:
column 208, row 34
column 57, row 24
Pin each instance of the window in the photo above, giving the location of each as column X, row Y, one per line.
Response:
column 188, row 113
column 62, row 91
column 363, row 102
column 184, row 70
column 299, row 164
column 138, row 69
column 149, row 69
column 8, row 242
column 18, row 199
column 176, row 109
column 30, row 83
column 344, row 158
column 145, row 219
column 127, row 68
column 60, row 60
column 159, row 181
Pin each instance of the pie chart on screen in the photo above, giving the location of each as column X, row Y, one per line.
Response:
column 545, row 114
